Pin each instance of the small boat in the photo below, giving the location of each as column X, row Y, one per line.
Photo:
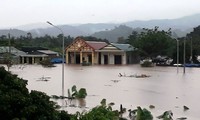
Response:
column 192, row 65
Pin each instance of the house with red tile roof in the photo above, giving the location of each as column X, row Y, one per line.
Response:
column 96, row 52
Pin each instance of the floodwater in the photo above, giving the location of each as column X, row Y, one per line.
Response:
column 165, row 89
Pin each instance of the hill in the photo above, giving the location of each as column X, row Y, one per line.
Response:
column 113, row 35
column 110, row 31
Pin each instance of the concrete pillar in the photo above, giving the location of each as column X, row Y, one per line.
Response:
column 108, row 58
column 93, row 57
column 67, row 58
column 74, row 57
column 81, row 57
column 102, row 59
column 124, row 59
column 22, row 60
column 111, row 59
column 97, row 58
column 33, row 60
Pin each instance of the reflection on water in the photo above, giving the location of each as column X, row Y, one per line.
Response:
column 165, row 89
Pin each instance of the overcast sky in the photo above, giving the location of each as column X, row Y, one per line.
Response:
column 21, row 12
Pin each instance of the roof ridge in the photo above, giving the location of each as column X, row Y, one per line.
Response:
column 96, row 41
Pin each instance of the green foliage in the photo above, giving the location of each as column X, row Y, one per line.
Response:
column 74, row 89
column 90, row 38
column 195, row 37
column 147, row 64
column 102, row 112
column 46, row 63
column 82, row 93
column 143, row 114
column 103, row 102
column 18, row 103
column 153, row 42
column 52, row 43
column 167, row 115
column 193, row 40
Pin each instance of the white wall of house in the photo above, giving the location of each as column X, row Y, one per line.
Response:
column 102, row 58
column 111, row 59
column 124, row 58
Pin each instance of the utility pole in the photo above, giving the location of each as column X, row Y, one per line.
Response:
column 191, row 58
column 177, row 53
column 63, row 52
column 9, row 53
column 184, row 57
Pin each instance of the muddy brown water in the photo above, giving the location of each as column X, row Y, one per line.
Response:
column 165, row 89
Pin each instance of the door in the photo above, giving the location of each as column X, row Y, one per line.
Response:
column 105, row 59
column 118, row 59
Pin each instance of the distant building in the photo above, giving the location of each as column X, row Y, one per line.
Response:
column 11, row 53
column 95, row 52
column 28, row 55
column 36, row 54
column 130, row 53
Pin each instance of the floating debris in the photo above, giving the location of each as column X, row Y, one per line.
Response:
column 151, row 106
column 44, row 79
column 122, row 109
column 59, row 97
column 132, row 114
column 176, row 106
column 142, row 76
column 185, row 108
column 115, row 81
column 166, row 115
column 111, row 104
column 55, row 97
column 136, row 76
column 182, row 118
column 92, row 95
column 108, row 85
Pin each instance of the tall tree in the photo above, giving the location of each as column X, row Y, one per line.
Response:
column 193, row 39
column 153, row 42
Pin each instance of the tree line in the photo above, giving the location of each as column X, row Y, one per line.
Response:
column 47, row 41
column 154, row 42
column 149, row 43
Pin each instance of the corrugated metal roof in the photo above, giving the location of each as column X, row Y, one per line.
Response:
column 48, row 52
column 125, row 47
column 13, row 50
column 34, row 55
column 96, row 44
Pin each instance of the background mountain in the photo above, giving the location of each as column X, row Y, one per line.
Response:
column 113, row 35
column 180, row 23
column 180, row 27
column 13, row 32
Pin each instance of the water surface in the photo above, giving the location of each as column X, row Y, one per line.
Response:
column 165, row 89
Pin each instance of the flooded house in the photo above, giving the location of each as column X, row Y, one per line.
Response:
column 26, row 55
column 36, row 54
column 10, row 53
column 81, row 51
